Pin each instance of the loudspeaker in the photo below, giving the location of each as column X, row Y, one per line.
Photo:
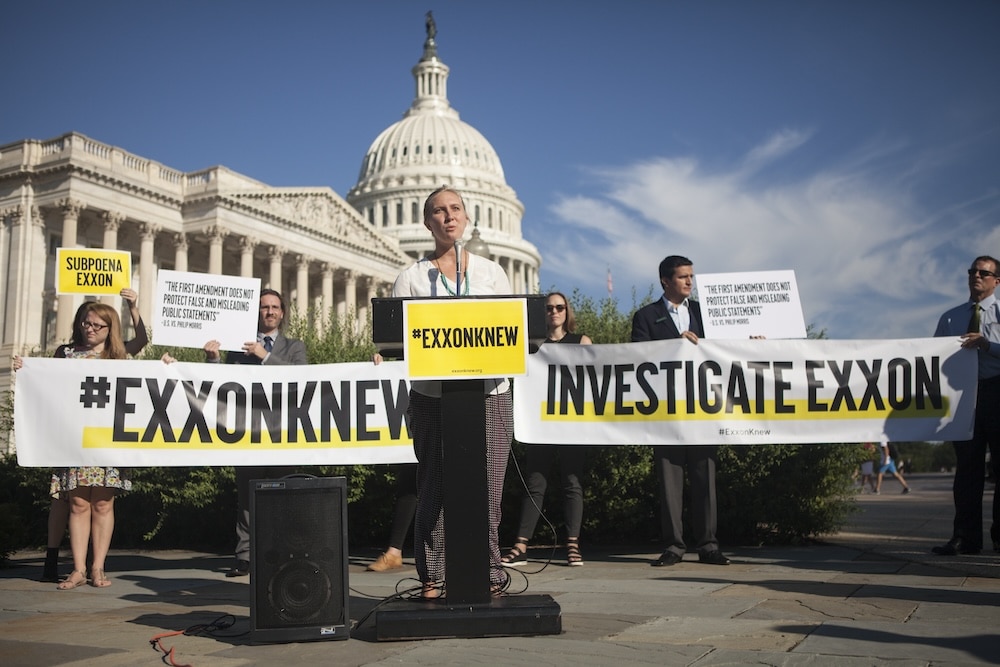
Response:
column 298, row 559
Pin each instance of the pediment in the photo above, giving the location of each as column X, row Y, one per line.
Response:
column 319, row 211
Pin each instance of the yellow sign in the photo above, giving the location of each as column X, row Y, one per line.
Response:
column 450, row 339
column 92, row 271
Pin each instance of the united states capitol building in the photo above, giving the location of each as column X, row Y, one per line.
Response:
column 327, row 254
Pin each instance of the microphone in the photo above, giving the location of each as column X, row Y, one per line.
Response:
column 458, row 266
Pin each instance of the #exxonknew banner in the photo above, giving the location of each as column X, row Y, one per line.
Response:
column 71, row 412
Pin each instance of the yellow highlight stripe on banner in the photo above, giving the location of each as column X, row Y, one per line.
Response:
column 97, row 437
column 800, row 413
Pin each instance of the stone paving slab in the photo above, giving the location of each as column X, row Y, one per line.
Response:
column 930, row 642
column 870, row 595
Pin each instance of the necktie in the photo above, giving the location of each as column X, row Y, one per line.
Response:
column 974, row 320
column 269, row 343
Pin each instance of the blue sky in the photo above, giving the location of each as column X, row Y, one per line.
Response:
column 856, row 142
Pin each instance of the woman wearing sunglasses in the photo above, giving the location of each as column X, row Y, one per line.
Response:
column 561, row 329
column 90, row 490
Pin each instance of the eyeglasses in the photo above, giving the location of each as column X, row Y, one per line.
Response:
column 93, row 325
column 558, row 308
column 983, row 273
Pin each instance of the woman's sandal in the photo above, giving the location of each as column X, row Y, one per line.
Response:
column 431, row 590
column 99, row 580
column 75, row 579
column 516, row 556
column 573, row 556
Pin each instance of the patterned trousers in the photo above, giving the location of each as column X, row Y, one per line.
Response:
column 428, row 528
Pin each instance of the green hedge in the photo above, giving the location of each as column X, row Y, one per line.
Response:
column 766, row 493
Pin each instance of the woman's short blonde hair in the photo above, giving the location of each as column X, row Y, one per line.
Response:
column 428, row 206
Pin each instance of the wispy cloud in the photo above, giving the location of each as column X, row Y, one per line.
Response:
column 870, row 260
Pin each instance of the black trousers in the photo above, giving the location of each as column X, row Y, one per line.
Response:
column 970, row 469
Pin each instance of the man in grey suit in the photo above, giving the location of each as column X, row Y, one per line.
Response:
column 270, row 348
column 676, row 315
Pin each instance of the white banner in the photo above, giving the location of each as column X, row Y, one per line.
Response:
column 144, row 413
column 747, row 392
column 70, row 412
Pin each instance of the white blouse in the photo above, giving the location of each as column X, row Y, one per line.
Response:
column 484, row 276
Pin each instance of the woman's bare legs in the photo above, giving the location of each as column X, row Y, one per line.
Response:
column 102, row 527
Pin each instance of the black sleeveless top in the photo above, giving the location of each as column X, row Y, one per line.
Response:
column 568, row 338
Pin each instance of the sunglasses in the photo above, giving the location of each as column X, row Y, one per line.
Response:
column 93, row 325
column 983, row 273
column 558, row 308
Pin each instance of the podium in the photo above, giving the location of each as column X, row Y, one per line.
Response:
column 468, row 609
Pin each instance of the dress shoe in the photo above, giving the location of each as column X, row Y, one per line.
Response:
column 713, row 558
column 241, row 569
column 386, row 561
column 666, row 559
column 954, row 547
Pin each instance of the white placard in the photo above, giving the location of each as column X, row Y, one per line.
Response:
column 741, row 305
column 194, row 308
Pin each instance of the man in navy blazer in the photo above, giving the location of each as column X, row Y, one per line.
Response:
column 270, row 348
column 676, row 315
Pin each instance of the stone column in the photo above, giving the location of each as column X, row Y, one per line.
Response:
column 350, row 301
column 180, row 252
column 364, row 309
column 247, row 246
column 112, row 221
column 147, row 232
column 15, row 278
column 216, row 235
column 327, row 295
column 71, row 209
column 275, row 254
column 38, row 322
column 302, row 285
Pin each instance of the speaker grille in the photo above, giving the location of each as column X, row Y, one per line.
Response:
column 298, row 559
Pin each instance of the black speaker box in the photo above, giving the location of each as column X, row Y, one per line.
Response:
column 298, row 559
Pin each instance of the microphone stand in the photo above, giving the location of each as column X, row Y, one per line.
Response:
column 458, row 267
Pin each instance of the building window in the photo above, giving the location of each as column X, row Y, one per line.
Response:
column 399, row 213
column 415, row 213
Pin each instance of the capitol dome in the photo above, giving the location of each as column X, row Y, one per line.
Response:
column 430, row 147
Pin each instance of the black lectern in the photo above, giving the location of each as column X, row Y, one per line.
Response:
column 468, row 609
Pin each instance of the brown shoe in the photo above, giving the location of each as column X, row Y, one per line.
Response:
column 385, row 562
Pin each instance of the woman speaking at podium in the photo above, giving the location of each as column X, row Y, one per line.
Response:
column 450, row 273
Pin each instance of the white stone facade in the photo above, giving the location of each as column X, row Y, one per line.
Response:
column 72, row 191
